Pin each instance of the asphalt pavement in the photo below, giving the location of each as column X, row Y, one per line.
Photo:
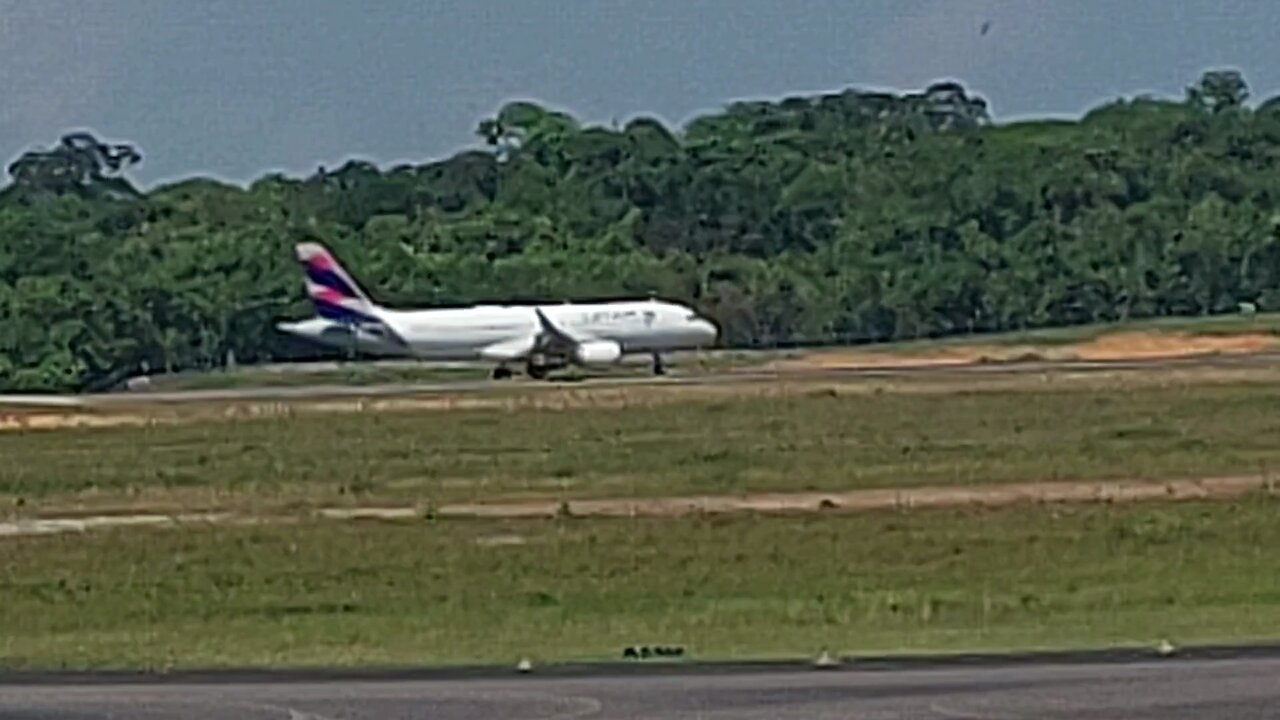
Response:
column 1239, row 689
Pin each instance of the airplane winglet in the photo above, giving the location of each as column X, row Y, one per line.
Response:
column 555, row 331
column 545, row 322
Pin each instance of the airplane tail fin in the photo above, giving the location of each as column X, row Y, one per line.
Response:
column 334, row 294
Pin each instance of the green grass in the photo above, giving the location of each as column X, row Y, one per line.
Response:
column 302, row 375
column 819, row 440
column 433, row 592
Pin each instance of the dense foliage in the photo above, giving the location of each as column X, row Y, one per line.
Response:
column 853, row 216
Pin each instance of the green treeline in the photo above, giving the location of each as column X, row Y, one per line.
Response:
column 852, row 216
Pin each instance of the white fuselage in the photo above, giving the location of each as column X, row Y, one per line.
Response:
column 491, row 332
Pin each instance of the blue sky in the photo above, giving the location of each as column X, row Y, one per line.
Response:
column 237, row 88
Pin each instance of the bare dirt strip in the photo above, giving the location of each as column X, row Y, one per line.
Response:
column 1117, row 346
column 904, row 499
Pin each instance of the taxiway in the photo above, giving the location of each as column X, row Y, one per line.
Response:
column 1239, row 689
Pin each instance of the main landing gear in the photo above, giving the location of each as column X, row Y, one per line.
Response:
column 540, row 370
column 536, row 371
column 537, row 368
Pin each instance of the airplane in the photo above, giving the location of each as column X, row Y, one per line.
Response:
column 544, row 337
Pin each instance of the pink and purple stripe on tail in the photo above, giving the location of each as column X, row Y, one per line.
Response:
column 332, row 292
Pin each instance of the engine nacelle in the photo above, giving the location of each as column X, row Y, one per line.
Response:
column 597, row 352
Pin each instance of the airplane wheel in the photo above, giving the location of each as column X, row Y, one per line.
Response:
column 537, row 372
column 501, row 373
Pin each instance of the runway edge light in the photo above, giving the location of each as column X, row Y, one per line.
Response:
column 825, row 661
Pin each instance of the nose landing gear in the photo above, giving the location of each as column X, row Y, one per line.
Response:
column 658, row 367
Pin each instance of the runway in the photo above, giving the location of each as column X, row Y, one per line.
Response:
column 743, row 375
column 1238, row 689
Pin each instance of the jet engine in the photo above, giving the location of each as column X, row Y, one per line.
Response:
column 597, row 352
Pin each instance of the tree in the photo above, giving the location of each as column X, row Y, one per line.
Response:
column 849, row 216
column 1219, row 90
column 79, row 163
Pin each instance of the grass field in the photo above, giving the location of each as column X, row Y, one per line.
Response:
column 811, row 438
column 481, row 591
column 358, row 373
column 304, row 591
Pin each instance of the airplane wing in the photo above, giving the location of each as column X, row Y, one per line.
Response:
column 549, row 337
column 554, row 335
column 513, row 349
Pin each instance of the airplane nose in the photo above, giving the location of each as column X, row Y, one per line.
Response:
column 707, row 330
